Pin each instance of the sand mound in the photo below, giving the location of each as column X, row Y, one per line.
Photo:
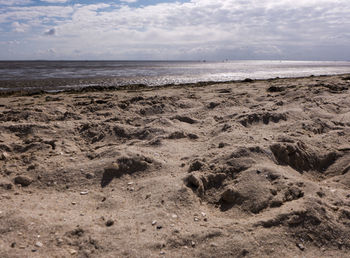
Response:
column 302, row 158
column 243, row 183
column 313, row 223
column 130, row 164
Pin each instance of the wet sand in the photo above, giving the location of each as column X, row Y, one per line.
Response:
column 245, row 169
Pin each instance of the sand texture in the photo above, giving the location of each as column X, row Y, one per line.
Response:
column 246, row 169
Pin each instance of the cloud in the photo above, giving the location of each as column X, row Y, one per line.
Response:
column 12, row 42
column 15, row 2
column 47, row 53
column 19, row 27
column 197, row 29
column 55, row 1
column 50, row 32
column 129, row 1
column 51, row 51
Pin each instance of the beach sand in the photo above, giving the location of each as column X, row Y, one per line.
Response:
column 245, row 169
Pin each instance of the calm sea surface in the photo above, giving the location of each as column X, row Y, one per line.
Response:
column 59, row 75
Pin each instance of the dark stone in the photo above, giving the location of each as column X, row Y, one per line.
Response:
column 23, row 180
column 221, row 145
column 109, row 223
column 192, row 136
column 275, row 89
column 213, row 105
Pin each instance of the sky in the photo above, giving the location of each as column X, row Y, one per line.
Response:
column 175, row 30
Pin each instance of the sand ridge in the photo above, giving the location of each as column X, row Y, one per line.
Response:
column 246, row 169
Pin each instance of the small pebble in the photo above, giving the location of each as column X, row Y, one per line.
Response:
column 174, row 216
column 221, row 145
column 193, row 244
column 109, row 223
column 130, row 183
column 196, row 219
column 4, row 156
column 301, row 247
column 213, row 245
column 84, row 193
column 39, row 244
column 72, row 251
column 162, row 253
column 154, row 222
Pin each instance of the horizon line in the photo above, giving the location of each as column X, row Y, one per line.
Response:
column 162, row 60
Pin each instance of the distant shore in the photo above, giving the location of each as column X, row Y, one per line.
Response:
column 55, row 85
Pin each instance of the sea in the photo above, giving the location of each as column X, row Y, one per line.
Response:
column 64, row 75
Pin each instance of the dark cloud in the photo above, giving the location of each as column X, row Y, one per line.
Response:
column 50, row 32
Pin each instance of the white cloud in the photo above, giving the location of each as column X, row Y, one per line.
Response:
column 55, row 1
column 19, row 27
column 15, row 2
column 50, row 52
column 36, row 14
column 129, row 1
column 13, row 42
column 195, row 29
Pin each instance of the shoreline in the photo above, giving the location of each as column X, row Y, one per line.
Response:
column 61, row 82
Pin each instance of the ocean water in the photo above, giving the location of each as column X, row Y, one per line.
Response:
column 60, row 75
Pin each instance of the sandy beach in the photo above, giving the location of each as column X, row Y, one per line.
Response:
column 255, row 168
